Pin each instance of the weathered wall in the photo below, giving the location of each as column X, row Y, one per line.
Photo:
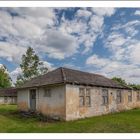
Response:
column 64, row 102
column 23, row 100
column 74, row 111
column 53, row 106
column 9, row 100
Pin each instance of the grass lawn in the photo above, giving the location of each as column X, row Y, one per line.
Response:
column 12, row 122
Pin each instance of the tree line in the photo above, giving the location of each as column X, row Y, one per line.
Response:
column 31, row 67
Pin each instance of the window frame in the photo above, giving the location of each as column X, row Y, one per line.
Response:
column 130, row 96
column 119, row 97
column 84, row 95
column 88, row 96
column 47, row 92
column 105, row 98
column 81, row 95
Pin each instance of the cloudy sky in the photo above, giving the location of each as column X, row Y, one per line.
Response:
column 98, row 40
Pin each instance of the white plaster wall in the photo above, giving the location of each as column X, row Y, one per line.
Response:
column 1, row 100
column 53, row 106
column 23, row 99
column 10, row 100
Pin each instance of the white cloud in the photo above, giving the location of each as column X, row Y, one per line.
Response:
column 111, row 68
column 137, row 12
column 11, row 52
column 97, row 62
column 83, row 13
column 96, row 23
column 124, row 59
column 58, row 44
column 36, row 27
column 104, row 11
column 49, row 65
column 15, row 73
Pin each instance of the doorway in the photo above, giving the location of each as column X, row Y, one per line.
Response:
column 33, row 99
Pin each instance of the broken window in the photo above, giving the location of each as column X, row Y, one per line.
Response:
column 119, row 96
column 84, row 97
column 105, row 96
column 47, row 92
column 129, row 96
column 138, row 96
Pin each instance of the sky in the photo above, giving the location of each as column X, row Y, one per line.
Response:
column 98, row 40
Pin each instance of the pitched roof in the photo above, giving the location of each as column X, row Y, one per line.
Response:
column 8, row 92
column 65, row 75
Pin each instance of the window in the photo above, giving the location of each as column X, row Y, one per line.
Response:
column 119, row 96
column 105, row 96
column 47, row 93
column 138, row 96
column 87, row 97
column 81, row 97
column 84, row 97
column 129, row 96
column 5, row 99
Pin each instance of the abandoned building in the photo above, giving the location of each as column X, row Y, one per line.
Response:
column 8, row 96
column 71, row 94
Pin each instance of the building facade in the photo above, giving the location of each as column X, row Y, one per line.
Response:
column 75, row 98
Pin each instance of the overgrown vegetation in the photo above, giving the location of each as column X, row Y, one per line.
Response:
column 126, row 122
column 124, row 83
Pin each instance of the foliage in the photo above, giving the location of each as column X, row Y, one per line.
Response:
column 123, row 83
column 5, row 80
column 134, row 86
column 31, row 67
column 119, row 80
column 123, row 122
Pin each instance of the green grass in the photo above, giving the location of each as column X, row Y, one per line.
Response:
column 12, row 122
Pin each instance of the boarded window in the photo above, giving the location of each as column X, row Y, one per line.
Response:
column 88, row 102
column 119, row 96
column 138, row 96
column 5, row 99
column 129, row 96
column 47, row 92
column 81, row 97
column 105, row 96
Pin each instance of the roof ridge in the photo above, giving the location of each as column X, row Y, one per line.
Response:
column 83, row 71
column 63, row 74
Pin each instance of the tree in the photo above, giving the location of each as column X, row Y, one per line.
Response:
column 5, row 80
column 134, row 86
column 31, row 67
column 123, row 83
column 120, row 81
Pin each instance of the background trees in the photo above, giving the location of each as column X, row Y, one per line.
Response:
column 31, row 67
column 5, row 80
column 124, row 83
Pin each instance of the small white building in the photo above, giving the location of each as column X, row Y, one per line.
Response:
column 8, row 96
column 71, row 94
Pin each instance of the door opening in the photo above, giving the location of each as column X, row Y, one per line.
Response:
column 33, row 99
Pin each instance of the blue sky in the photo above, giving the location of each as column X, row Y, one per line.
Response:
column 98, row 40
